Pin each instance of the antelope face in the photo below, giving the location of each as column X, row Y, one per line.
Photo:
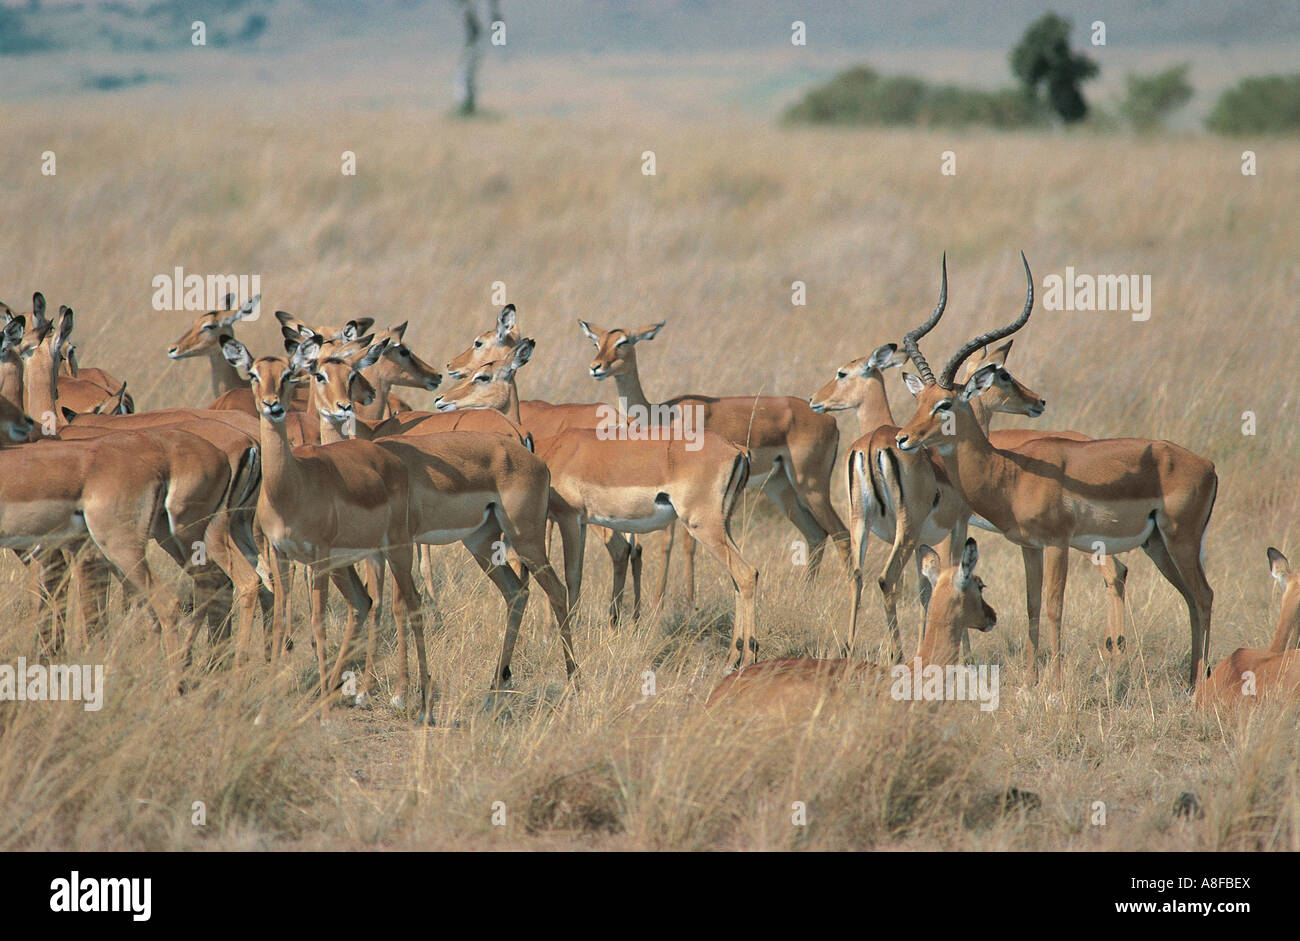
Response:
column 939, row 413
column 16, row 426
column 201, row 337
column 271, row 377
column 957, row 600
column 204, row 334
column 400, row 366
column 488, row 386
column 849, row 387
column 1008, row 395
column 488, row 347
column 1290, row 583
column 336, row 388
column 616, row 349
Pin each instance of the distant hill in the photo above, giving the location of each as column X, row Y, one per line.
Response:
column 598, row 26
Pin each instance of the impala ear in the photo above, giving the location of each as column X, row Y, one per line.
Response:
column 914, row 383
column 307, row 353
column 646, row 333
column 13, row 333
column 505, row 323
column 359, row 389
column 286, row 319
column 246, row 310
column 970, row 555
column 885, row 356
column 371, row 356
column 7, row 311
column 930, row 564
column 1278, row 565
column 65, row 329
column 979, row 382
column 38, row 307
column 236, row 353
column 364, row 324
column 591, row 335
column 999, row 355
column 229, row 302
column 400, row 330
column 523, row 353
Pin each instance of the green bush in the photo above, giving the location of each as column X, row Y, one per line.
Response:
column 1151, row 98
column 1268, row 104
column 860, row 96
column 1043, row 56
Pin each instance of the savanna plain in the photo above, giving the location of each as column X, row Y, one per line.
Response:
column 557, row 207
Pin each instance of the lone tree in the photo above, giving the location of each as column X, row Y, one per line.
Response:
column 1043, row 55
column 467, row 70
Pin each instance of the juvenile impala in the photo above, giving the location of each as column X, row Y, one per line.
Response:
column 957, row 605
column 1248, row 674
column 1050, row 495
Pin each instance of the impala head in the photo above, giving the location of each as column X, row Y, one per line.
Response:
column 46, row 347
column 399, row 365
column 15, row 426
column 616, row 349
column 203, row 334
column 488, row 346
column 337, row 383
column 488, row 386
column 943, row 405
column 271, row 377
column 1288, row 629
column 849, row 387
column 350, row 331
column 1007, row 394
column 957, row 602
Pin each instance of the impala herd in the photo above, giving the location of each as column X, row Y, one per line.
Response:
column 310, row 458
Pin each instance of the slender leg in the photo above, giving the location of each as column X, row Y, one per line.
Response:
column 360, row 607
column 1115, row 574
column 406, row 611
column 1033, row 558
column 516, row 597
column 1056, row 561
column 662, row 547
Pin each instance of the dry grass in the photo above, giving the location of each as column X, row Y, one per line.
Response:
column 560, row 212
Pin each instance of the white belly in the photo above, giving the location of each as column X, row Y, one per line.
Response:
column 442, row 537
column 662, row 517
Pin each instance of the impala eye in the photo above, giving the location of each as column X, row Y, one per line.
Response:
column 480, row 378
column 841, row 375
column 478, row 344
column 621, row 342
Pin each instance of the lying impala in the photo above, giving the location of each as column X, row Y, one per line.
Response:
column 882, row 478
column 1049, row 495
column 632, row 485
column 329, row 506
column 957, row 605
column 1249, row 674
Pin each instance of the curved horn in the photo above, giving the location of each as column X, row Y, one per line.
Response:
column 950, row 371
column 909, row 340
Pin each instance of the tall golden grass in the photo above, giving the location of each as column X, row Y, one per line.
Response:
column 559, row 211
